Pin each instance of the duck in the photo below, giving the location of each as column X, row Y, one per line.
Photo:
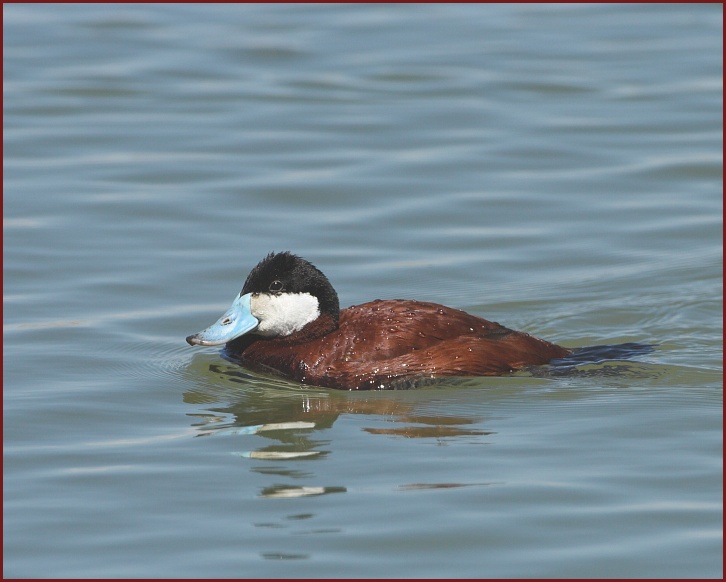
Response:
column 287, row 321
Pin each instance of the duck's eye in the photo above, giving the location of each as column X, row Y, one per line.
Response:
column 276, row 286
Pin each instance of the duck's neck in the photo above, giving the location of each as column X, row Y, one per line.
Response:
column 320, row 327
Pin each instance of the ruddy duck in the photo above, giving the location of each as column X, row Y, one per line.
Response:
column 287, row 320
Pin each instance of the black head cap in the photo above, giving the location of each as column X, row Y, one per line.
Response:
column 287, row 273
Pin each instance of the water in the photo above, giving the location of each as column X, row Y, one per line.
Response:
column 554, row 168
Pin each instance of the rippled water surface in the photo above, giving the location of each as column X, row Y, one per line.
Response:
column 556, row 168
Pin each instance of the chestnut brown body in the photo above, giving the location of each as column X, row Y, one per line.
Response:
column 378, row 344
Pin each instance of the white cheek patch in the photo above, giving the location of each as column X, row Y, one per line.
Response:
column 281, row 315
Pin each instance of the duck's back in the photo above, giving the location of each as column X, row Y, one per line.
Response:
column 379, row 342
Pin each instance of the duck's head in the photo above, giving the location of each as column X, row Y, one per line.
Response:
column 281, row 295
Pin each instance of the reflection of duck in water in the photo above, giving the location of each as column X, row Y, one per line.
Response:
column 287, row 319
column 293, row 419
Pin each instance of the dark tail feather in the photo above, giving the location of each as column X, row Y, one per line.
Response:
column 604, row 353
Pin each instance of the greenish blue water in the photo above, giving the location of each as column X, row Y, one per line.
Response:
column 556, row 168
